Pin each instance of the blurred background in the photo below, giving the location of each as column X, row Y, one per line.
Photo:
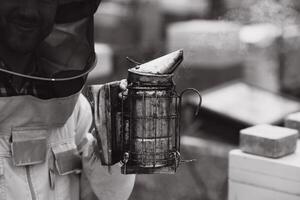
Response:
column 242, row 55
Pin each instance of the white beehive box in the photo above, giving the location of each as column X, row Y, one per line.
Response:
column 261, row 62
column 255, row 177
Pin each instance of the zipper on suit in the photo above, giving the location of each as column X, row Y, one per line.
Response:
column 33, row 196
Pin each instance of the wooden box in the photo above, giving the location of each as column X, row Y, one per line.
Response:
column 260, row 178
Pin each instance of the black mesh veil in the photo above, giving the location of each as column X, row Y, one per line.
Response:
column 68, row 52
column 66, row 56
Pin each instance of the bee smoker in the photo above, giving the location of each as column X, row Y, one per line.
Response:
column 142, row 129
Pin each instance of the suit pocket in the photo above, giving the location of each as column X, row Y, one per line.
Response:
column 29, row 146
column 67, row 158
column 67, row 166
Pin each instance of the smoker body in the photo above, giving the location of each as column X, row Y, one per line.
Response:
column 151, row 124
column 142, row 129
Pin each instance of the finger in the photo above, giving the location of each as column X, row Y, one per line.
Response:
column 123, row 95
column 123, row 84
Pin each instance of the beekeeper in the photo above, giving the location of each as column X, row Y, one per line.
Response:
column 46, row 150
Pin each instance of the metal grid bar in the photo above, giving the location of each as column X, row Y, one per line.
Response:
column 155, row 120
column 144, row 128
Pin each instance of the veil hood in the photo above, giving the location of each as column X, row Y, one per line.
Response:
column 67, row 55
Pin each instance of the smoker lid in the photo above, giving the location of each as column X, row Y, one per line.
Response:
column 158, row 72
column 163, row 65
column 136, row 78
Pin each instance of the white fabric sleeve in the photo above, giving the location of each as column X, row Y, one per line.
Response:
column 106, row 182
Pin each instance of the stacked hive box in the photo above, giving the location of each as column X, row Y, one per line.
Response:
column 254, row 177
column 270, row 169
column 272, row 57
column 262, row 55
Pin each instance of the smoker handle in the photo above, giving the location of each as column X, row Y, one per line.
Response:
column 195, row 91
column 177, row 154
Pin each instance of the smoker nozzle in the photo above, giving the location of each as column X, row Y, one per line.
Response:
column 164, row 65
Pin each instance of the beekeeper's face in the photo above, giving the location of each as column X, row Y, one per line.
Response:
column 25, row 23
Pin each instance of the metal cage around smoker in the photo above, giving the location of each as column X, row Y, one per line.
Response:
column 151, row 125
column 141, row 129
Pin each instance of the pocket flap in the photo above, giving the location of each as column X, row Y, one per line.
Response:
column 67, row 158
column 29, row 146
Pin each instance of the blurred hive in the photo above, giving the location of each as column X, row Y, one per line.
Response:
column 281, row 13
column 116, row 17
column 293, row 121
column 207, row 43
column 290, row 73
column 129, row 23
column 251, row 105
column 104, row 66
column 295, row 4
column 132, row 28
column 186, row 8
column 233, row 4
column 261, row 64
column 212, row 51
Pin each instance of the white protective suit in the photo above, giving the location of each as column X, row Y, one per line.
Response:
column 65, row 130
column 46, row 150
